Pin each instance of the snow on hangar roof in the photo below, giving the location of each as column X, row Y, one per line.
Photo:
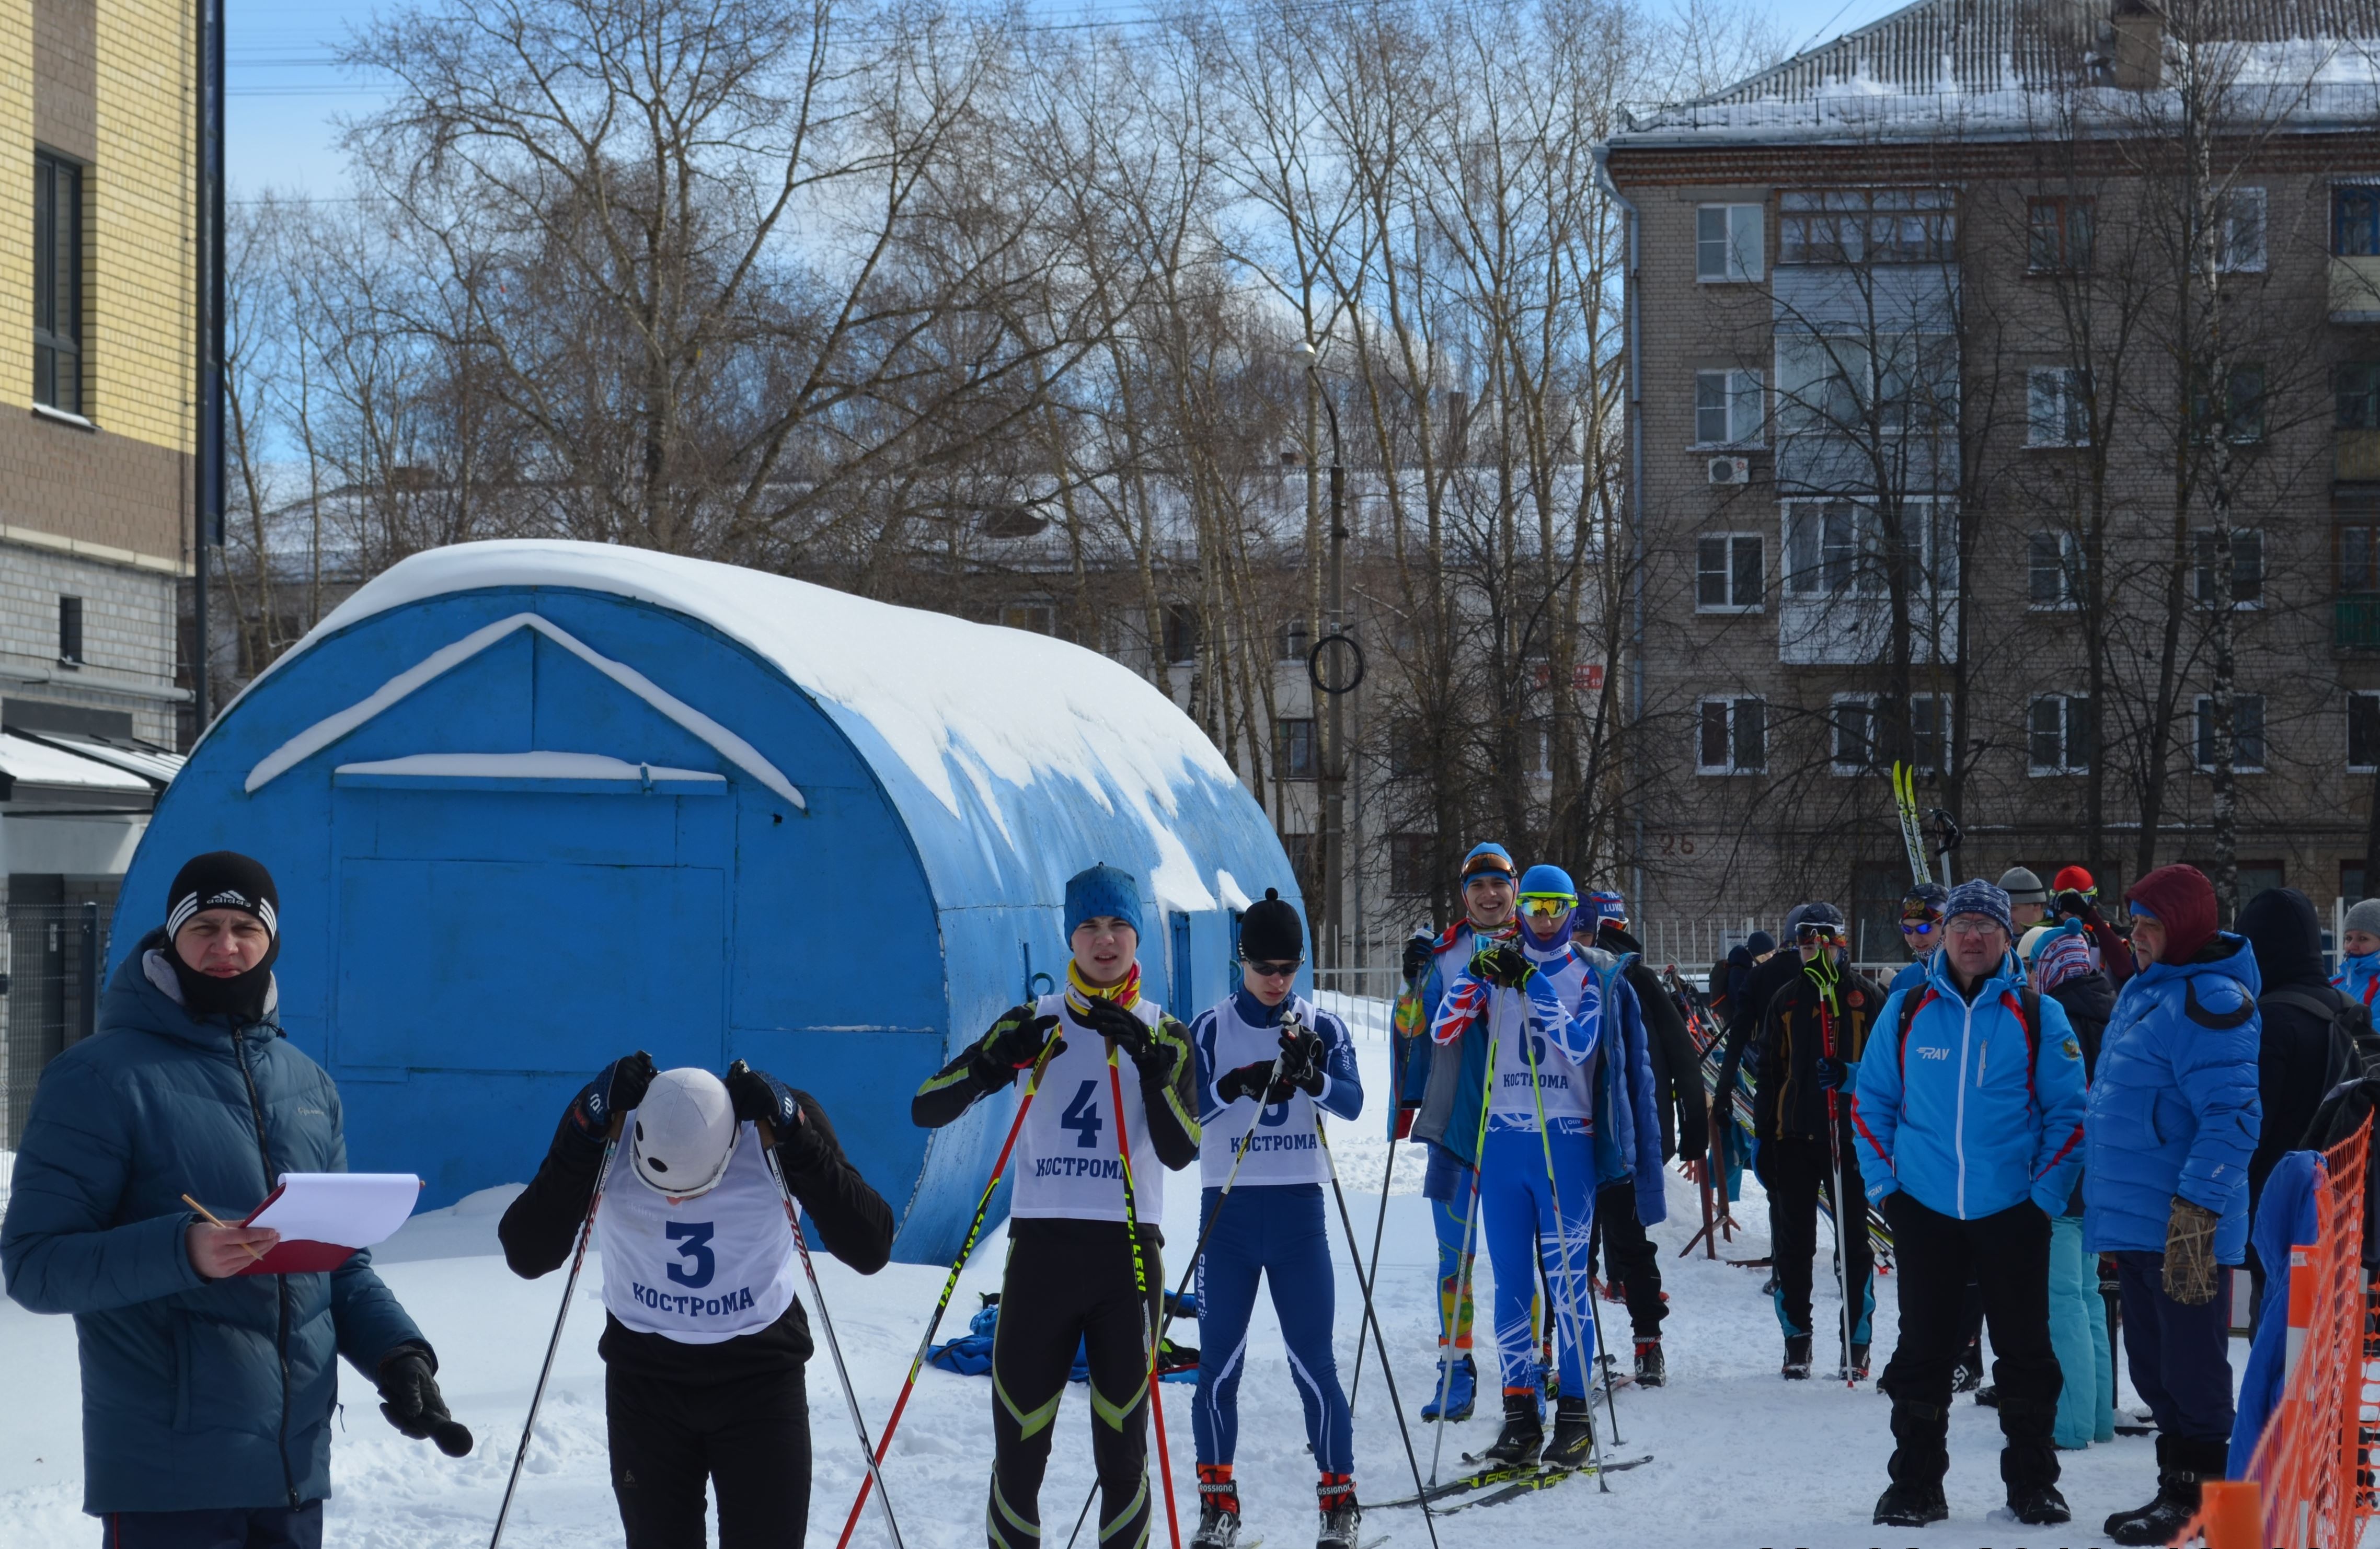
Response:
column 952, row 701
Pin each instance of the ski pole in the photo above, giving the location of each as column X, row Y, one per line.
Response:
column 826, row 1325
column 1567, row 1301
column 569, row 1286
column 1140, row 1288
column 1372, row 1319
column 1388, row 1174
column 1835, row 1160
column 949, row 1285
column 1462, row 1274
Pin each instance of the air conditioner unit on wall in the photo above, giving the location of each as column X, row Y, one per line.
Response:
column 1730, row 470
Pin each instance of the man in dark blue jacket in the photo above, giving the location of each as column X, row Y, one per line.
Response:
column 2175, row 1116
column 206, row 1394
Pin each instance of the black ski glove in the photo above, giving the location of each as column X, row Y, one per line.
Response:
column 1248, row 1081
column 1014, row 1042
column 1119, row 1027
column 2073, row 905
column 1301, row 1055
column 408, row 1392
column 1500, row 964
column 1831, row 1072
column 761, row 1099
column 1417, row 956
column 616, row 1088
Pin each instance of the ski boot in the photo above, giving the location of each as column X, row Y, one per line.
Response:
column 1218, row 1509
column 1651, row 1370
column 1857, row 1368
column 2039, row 1505
column 1911, row 1506
column 1797, row 1358
column 1523, row 1435
column 1462, row 1392
column 1341, row 1514
column 2182, row 1465
column 1573, row 1442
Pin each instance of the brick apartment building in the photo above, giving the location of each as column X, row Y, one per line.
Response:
column 96, row 243
column 1980, row 411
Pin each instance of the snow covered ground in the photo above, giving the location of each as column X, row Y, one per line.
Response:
column 1740, row 1458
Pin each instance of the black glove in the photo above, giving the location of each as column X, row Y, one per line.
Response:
column 1301, row 1057
column 1248, row 1081
column 1831, row 1072
column 2070, row 904
column 409, row 1390
column 616, row 1088
column 1119, row 1027
column 1015, row 1042
column 1417, row 955
column 761, row 1099
column 1500, row 964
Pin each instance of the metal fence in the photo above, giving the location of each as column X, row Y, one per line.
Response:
column 49, row 998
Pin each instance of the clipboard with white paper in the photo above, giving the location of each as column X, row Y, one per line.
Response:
column 324, row 1217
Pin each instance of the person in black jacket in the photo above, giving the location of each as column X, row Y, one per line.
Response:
column 1630, row 1259
column 704, row 1337
column 1771, row 970
column 2294, row 1062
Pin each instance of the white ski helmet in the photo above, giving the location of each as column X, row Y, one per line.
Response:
column 685, row 1134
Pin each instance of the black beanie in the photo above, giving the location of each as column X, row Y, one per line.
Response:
column 223, row 879
column 1271, row 932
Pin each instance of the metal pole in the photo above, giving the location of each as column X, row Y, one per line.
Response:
column 87, row 1017
column 207, row 339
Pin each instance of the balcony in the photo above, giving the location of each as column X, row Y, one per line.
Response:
column 2355, row 622
column 2355, row 290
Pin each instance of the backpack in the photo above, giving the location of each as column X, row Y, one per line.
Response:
column 2354, row 1050
column 2028, row 1017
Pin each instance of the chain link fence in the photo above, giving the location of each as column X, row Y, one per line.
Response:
column 49, row 998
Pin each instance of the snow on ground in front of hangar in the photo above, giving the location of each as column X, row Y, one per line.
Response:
column 1739, row 1457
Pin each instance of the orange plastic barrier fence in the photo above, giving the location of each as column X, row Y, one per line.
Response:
column 2312, row 1472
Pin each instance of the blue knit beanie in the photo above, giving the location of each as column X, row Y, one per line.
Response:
column 1103, row 890
column 1980, row 897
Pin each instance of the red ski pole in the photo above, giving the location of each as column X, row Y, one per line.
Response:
column 949, row 1285
column 1140, row 1282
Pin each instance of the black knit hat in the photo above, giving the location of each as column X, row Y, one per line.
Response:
column 1271, row 932
column 223, row 880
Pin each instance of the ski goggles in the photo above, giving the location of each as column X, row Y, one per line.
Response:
column 1812, row 935
column 1545, row 906
column 1274, row 969
column 1921, row 925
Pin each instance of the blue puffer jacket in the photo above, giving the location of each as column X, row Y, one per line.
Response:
column 196, row 1394
column 2359, row 977
column 2174, row 1109
column 1971, row 1116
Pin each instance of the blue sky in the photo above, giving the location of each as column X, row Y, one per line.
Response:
column 287, row 97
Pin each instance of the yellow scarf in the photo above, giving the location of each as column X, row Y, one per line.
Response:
column 1081, row 992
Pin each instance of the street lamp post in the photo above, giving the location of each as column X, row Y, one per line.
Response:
column 1334, row 764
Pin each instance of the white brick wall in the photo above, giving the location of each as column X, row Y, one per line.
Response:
column 127, row 633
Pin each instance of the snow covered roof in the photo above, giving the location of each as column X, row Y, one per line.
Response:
column 975, row 714
column 1998, row 67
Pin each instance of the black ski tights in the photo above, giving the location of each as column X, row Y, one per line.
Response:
column 1068, row 1284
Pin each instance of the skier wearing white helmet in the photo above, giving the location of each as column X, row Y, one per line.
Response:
column 705, row 1340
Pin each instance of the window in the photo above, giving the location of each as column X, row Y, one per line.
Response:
column 1733, row 737
column 2358, row 395
column 1838, row 548
column 1727, row 242
column 2239, row 231
column 2357, row 548
column 1038, row 617
column 1181, row 632
column 1866, row 225
column 1730, row 573
column 1862, row 735
column 2054, row 570
column 2240, row 417
column 2057, row 409
column 1294, row 753
column 2058, row 734
column 2247, row 567
column 2355, row 222
column 1822, row 382
column 2059, row 235
column 1408, row 747
column 1409, row 863
column 70, row 631
column 1728, row 410
column 2247, row 733
column 57, row 282
column 2363, row 732
column 1827, row 382
column 1917, row 381
column 1296, row 641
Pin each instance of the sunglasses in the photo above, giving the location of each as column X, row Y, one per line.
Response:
column 1917, row 927
column 1809, row 934
column 1274, row 969
column 1545, row 906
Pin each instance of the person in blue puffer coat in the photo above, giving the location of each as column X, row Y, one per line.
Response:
column 2359, row 952
column 2174, row 1119
column 1968, row 1110
column 206, row 1394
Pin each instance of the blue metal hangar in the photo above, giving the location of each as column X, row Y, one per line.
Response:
column 534, row 805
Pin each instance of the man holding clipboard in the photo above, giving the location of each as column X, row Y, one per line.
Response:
column 207, row 1392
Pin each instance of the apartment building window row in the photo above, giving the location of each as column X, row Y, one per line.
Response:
column 1866, row 225
column 57, row 282
column 1861, row 736
column 1728, row 407
column 2053, row 570
column 1731, row 573
column 1727, row 242
column 2247, row 733
column 1839, row 548
column 2059, row 734
column 1731, row 736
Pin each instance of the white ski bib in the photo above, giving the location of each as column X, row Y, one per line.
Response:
column 699, row 1270
column 1066, row 1161
column 1283, row 1147
column 1564, row 1086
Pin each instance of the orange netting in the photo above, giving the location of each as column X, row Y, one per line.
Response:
column 2312, row 1467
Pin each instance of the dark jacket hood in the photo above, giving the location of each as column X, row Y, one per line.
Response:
column 2280, row 925
column 2090, row 996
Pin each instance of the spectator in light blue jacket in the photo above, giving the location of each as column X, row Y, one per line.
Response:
column 2174, row 1120
column 1970, row 1128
